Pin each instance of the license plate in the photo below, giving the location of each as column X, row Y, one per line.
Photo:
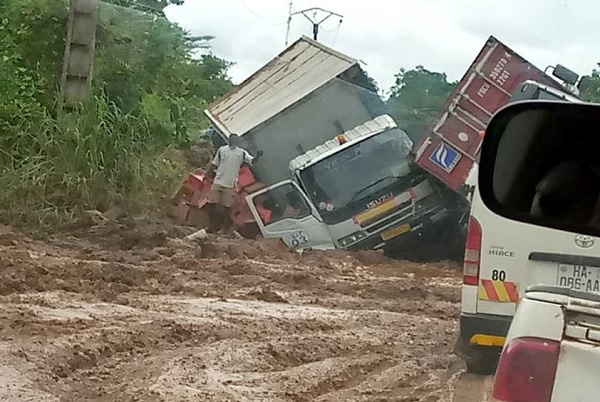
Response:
column 397, row 231
column 579, row 277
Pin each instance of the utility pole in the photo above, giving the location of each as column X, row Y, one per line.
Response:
column 289, row 23
column 79, row 53
column 314, row 20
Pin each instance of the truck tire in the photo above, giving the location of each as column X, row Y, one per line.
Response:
column 482, row 360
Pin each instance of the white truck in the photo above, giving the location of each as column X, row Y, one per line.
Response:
column 552, row 351
column 359, row 190
column 338, row 171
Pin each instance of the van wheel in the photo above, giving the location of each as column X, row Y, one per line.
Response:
column 483, row 360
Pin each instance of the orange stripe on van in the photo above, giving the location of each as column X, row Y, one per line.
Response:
column 498, row 291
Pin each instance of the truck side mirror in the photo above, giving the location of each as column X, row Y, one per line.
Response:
column 539, row 165
column 565, row 74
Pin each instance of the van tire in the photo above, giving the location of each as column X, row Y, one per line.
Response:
column 482, row 360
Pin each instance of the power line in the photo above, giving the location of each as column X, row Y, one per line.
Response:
column 289, row 22
column 337, row 31
column 330, row 31
column 258, row 15
column 249, row 9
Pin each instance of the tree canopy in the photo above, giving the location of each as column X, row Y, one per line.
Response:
column 155, row 7
column 149, row 91
column 417, row 97
column 592, row 92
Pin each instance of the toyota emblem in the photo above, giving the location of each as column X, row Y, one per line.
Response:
column 584, row 241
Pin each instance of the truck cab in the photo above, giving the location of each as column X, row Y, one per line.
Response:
column 360, row 190
column 534, row 90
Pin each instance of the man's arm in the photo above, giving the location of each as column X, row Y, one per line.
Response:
column 254, row 159
column 249, row 159
column 210, row 172
column 214, row 164
column 217, row 159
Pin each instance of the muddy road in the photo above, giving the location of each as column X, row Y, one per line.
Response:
column 132, row 312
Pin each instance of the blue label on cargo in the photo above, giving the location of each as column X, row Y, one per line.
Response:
column 445, row 157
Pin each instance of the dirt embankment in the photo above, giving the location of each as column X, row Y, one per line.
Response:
column 132, row 312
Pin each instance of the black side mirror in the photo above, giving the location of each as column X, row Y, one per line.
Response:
column 563, row 73
column 540, row 164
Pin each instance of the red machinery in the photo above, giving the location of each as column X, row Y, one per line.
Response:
column 192, row 196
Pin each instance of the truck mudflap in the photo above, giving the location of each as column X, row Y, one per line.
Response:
column 484, row 329
column 481, row 340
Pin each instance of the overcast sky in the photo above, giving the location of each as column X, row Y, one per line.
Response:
column 442, row 35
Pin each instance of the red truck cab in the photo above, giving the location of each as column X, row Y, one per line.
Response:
column 449, row 148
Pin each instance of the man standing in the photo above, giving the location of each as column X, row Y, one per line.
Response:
column 227, row 163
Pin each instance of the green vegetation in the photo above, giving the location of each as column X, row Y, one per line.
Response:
column 419, row 94
column 417, row 97
column 148, row 96
column 592, row 92
column 154, row 7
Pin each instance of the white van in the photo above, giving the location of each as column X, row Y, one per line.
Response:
column 499, row 265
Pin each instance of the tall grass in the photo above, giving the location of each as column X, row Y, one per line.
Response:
column 94, row 158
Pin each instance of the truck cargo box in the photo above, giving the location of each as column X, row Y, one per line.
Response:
column 449, row 148
column 303, row 97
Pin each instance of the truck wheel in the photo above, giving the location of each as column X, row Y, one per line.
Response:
column 482, row 360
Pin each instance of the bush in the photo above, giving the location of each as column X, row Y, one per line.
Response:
column 148, row 98
column 95, row 158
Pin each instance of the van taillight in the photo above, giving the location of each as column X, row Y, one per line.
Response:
column 526, row 371
column 472, row 253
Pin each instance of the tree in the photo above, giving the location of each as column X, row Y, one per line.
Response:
column 148, row 93
column 155, row 7
column 592, row 90
column 417, row 97
column 372, row 82
column 196, row 43
column 148, row 64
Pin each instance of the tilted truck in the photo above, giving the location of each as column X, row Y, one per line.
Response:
column 337, row 169
column 338, row 172
column 449, row 149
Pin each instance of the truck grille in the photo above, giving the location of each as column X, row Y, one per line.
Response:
column 401, row 212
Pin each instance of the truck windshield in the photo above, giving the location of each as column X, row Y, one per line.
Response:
column 358, row 171
column 546, row 95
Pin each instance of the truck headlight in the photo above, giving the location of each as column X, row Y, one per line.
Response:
column 353, row 238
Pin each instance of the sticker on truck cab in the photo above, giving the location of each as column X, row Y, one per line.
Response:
column 445, row 157
column 299, row 238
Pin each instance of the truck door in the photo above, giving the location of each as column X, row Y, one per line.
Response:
column 284, row 211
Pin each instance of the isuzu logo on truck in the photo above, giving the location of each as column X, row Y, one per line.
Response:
column 379, row 200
